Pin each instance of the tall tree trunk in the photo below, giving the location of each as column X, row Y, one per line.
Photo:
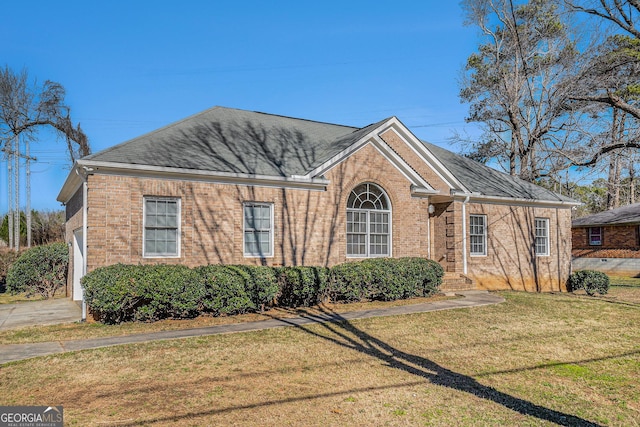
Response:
column 632, row 184
column 613, row 183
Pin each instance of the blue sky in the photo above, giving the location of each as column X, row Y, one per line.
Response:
column 130, row 67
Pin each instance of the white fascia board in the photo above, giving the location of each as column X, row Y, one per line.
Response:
column 422, row 192
column 423, row 153
column 387, row 152
column 71, row 185
column 126, row 169
column 399, row 163
column 480, row 198
column 338, row 158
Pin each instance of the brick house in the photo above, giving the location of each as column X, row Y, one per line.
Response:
column 608, row 241
column 233, row 186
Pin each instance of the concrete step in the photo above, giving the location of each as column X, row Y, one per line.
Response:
column 452, row 282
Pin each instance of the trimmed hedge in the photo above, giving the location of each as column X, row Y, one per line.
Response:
column 590, row 280
column 121, row 292
column 237, row 289
column 302, row 286
column 150, row 292
column 40, row 270
column 384, row 279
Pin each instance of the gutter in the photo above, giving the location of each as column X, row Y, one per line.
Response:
column 514, row 200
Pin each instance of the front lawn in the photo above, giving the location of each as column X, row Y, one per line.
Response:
column 538, row 359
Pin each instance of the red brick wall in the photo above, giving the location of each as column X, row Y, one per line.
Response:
column 310, row 226
column 618, row 241
column 510, row 262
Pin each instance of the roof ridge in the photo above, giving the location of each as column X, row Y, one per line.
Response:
column 294, row 118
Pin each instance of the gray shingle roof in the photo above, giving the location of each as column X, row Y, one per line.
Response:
column 482, row 179
column 629, row 214
column 237, row 141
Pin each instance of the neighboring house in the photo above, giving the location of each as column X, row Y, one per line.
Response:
column 608, row 241
column 233, row 186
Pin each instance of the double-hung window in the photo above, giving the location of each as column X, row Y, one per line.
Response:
column 161, row 227
column 258, row 229
column 542, row 236
column 478, row 234
column 368, row 222
column 595, row 236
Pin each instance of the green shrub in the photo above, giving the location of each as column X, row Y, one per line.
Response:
column 350, row 281
column 7, row 258
column 226, row 290
column 262, row 284
column 121, row 292
column 591, row 281
column 301, row 286
column 422, row 275
column 384, row 279
column 168, row 291
column 39, row 270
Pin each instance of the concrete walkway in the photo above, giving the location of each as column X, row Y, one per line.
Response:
column 14, row 352
column 35, row 313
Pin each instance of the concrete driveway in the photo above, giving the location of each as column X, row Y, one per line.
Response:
column 33, row 313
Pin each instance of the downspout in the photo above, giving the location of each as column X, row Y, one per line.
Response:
column 429, row 209
column 83, row 175
column 464, row 234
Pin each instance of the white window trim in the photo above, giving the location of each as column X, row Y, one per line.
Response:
column 271, row 227
column 484, row 236
column 144, row 227
column 601, row 236
column 535, row 243
column 368, row 233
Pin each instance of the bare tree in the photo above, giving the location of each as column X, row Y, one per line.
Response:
column 517, row 85
column 610, row 76
column 25, row 108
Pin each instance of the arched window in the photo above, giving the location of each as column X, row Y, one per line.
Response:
column 368, row 222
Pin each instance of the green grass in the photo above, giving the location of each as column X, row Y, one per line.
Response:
column 624, row 281
column 7, row 298
column 537, row 359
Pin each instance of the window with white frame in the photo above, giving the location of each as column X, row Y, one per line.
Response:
column 368, row 222
column 595, row 236
column 161, row 227
column 478, row 234
column 542, row 236
column 258, row 229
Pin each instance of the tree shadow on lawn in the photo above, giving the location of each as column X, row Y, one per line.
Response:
column 346, row 335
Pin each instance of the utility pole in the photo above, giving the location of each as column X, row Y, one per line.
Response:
column 28, row 190
column 9, row 152
column 12, row 151
column 16, row 196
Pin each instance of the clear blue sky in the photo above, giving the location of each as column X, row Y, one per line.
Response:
column 130, row 67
